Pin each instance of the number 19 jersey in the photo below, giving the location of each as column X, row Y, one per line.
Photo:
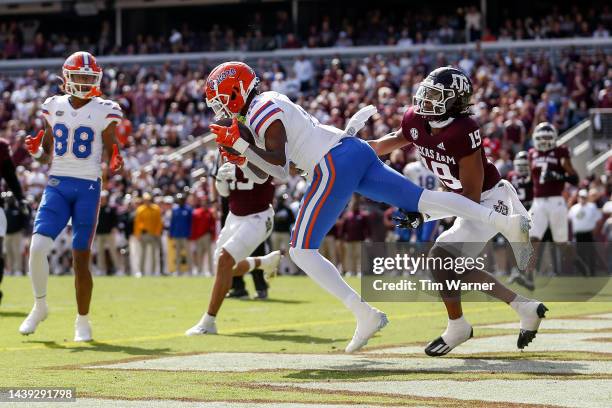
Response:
column 77, row 135
column 442, row 153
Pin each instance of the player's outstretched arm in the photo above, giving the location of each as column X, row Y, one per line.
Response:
column 43, row 138
column 471, row 175
column 111, row 147
column 388, row 143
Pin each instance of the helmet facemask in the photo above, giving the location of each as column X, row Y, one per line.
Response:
column 431, row 101
column 521, row 166
column 220, row 102
column 544, row 141
column 81, row 83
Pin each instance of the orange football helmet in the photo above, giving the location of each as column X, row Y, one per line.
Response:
column 82, row 75
column 227, row 88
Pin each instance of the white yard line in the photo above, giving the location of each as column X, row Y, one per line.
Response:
column 566, row 393
column 241, row 362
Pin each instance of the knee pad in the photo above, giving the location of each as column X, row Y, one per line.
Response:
column 41, row 245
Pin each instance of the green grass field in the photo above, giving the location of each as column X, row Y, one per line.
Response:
column 145, row 318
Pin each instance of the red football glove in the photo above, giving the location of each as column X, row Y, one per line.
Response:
column 33, row 143
column 232, row 158
column 116, row 162
column 230, row 136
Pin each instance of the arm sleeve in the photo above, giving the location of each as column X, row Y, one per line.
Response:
column 250, row 174
column 114, row 114
column 277, row 171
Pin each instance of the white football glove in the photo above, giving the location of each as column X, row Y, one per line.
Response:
column 358, row 120
column 226, row 172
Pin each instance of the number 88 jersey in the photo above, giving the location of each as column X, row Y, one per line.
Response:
column 441, row 153
column 77, row 135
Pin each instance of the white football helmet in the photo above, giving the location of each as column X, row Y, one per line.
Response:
column 544, row 137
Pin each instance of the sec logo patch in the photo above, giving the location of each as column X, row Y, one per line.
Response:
column 414, row 133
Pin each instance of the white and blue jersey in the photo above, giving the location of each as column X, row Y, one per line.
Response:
column 73, row 190
column 338, row 165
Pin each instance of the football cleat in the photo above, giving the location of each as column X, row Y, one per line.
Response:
column 38, row 314
column 366, row 328
column 261, row 295
column 531, row 314
column 202, row 328
column 457, row 332
column 238, row 294
column 270, row 264
column 517, row 234
column 82, row 329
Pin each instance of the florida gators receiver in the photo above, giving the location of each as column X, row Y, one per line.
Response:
column 337, row 164
column 78, row 127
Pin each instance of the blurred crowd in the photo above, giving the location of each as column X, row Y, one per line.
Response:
column 27, row 39
column 166, row 110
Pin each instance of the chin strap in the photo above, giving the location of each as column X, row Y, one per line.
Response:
column 437, row 124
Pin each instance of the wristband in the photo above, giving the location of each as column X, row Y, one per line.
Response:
column 240, row 145
column 38, row 153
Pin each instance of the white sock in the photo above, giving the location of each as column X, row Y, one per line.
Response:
column 442, row 204
column 207, row 319
column 457, row 331
column 39, row 264
column 251, row 261
column 82, row 318
column 40, row 302
column 267, row 259
column 325, row 274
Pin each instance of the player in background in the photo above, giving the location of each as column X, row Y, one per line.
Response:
column 79, row 125
column 449, row 142
column 7, row 172
column 551, row 167
column 247, row 226
column 420, row 175
column 336, row 164
column 520, row 178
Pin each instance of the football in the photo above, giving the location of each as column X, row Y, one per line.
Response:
column 245, row 133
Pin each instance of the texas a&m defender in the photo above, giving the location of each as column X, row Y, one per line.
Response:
column 248, row 224
column 449, row 144
column 337, row 164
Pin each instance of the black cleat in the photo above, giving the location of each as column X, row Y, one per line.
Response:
column 261, row 295
column 238, row 294
column 438, row 347
column 526, row 336
column 1, row 294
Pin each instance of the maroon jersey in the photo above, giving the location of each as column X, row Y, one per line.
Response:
column 523, row 186
column 513, row 131
column 247, row 197
column 441, row 153
column 543, row 162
